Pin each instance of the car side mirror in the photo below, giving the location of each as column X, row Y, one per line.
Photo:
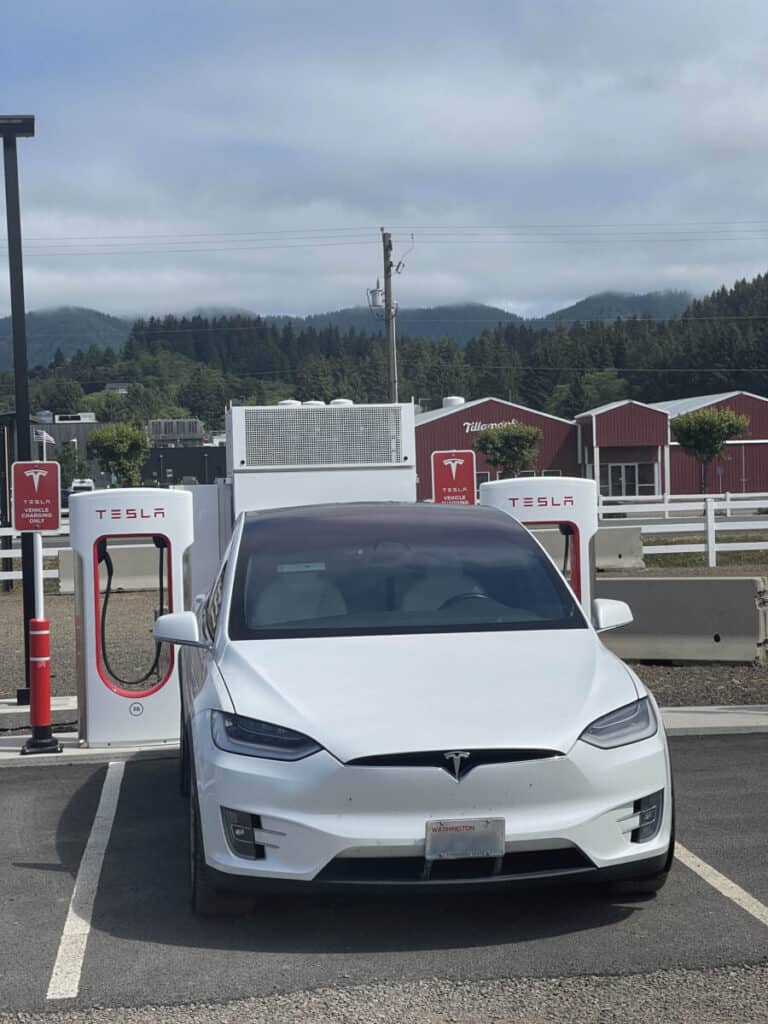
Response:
column 610, row 614
column 179, row 628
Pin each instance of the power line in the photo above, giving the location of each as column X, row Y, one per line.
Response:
column 358, row 228
column 257, row 375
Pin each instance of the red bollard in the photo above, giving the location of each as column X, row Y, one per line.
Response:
column 42, row 740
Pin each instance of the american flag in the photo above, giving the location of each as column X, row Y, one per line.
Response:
column 41, row 436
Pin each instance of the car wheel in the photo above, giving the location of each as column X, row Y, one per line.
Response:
column 646, row 888
column 184, row 766
column 206, row 899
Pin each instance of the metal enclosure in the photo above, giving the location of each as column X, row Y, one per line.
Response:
column 113, row 711
column 280, row 456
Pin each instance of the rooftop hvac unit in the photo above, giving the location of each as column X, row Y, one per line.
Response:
column 309, row 454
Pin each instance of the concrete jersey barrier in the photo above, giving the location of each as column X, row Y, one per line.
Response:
column 616, row 547
column 691, row 618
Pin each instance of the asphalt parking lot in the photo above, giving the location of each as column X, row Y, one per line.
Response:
column 144, row 946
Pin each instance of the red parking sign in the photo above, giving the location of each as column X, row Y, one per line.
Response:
column 453, row 477
column 36, row 496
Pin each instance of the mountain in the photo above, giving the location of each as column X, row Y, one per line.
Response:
column 615, row 305
column 460, row 322
column 68, row 328
column 71, row 328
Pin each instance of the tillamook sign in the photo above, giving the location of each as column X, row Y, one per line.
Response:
column 36, row 496
column 475, row 426
column 453, row 477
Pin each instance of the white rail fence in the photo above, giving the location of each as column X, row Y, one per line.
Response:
column 705, row 515
column 14, row 554
column 667, row 505
column 669, row 514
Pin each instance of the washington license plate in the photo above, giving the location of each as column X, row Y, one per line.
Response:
column 465, row 837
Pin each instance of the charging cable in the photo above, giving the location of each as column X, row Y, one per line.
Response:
column 104, row 556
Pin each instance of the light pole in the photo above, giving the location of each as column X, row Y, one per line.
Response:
column 13, row 127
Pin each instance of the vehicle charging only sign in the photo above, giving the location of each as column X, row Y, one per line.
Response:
column 453, row 478
column 36, row 496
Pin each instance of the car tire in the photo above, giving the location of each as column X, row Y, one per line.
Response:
column 646, row 888
column 184, row 762
column 206, row 899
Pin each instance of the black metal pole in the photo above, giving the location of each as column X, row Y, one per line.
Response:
column 5, row 506
column 21, row 381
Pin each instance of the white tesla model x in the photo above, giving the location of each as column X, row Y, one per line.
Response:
column 410, row 695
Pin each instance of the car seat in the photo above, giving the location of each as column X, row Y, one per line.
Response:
column 293, row 597
column 433, row 590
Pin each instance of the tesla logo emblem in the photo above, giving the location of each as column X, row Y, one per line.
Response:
column 453, row 464
column 456, row 757
column 541, row 501
column 36, row 474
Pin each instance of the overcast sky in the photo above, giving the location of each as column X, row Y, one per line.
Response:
column 244, row 153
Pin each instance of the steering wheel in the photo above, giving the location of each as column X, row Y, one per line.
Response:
column 470, row 595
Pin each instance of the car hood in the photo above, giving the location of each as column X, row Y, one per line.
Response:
column 360, row 696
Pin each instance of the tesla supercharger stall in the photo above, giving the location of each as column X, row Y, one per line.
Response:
column 569, row 503
column 128, row 690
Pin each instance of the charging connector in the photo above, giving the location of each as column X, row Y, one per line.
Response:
column 103, row 555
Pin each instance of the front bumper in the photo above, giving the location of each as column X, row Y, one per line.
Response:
column 566, row 817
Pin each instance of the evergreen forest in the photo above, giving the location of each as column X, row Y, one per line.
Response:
column 176, row 366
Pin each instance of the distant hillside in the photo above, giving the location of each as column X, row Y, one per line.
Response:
column 71, row 328
column 612, row 305
column 68, row 328
column 460, row 322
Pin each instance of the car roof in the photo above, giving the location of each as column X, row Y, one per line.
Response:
column 419, row 514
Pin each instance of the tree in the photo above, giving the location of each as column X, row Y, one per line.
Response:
column 121, row 450
column 205, row 395
column 73, row 465
column 57, row 394
column 511, row 448
column 704, row 432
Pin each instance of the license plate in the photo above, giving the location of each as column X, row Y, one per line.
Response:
column 464, row 837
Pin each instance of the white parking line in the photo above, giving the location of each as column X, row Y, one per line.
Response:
column 65, row 978
column 722, row 884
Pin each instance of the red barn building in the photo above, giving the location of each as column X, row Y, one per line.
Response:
column 458, row 423
column 625, row 446
column 628, row 446
column 744, row 466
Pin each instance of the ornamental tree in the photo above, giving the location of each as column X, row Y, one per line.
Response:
column 121, row 449
column 511, row 448
column 703, row 434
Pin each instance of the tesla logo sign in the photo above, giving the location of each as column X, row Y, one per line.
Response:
column 35, row 476
column 541, row 501
column 130, row 513
column 36, row 496
column 453, row 477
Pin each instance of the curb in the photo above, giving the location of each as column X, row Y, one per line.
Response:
column 74, row 754
column 15, row 718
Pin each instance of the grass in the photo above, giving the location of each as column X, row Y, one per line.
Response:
column 692, row 560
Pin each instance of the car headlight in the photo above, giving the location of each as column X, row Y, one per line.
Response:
column 630, row 724
column 239, row 735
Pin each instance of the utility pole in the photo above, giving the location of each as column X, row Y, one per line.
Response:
column 11, row 128
column 389, row 316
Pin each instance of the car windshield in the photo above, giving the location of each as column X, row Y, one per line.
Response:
column 352, row 570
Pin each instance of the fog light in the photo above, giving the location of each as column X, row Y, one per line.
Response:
column 649, row 810
column 238, row 828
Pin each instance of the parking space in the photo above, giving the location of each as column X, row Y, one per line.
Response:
column 145, row 946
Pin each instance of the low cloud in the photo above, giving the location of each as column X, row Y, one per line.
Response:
column 235, row 157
